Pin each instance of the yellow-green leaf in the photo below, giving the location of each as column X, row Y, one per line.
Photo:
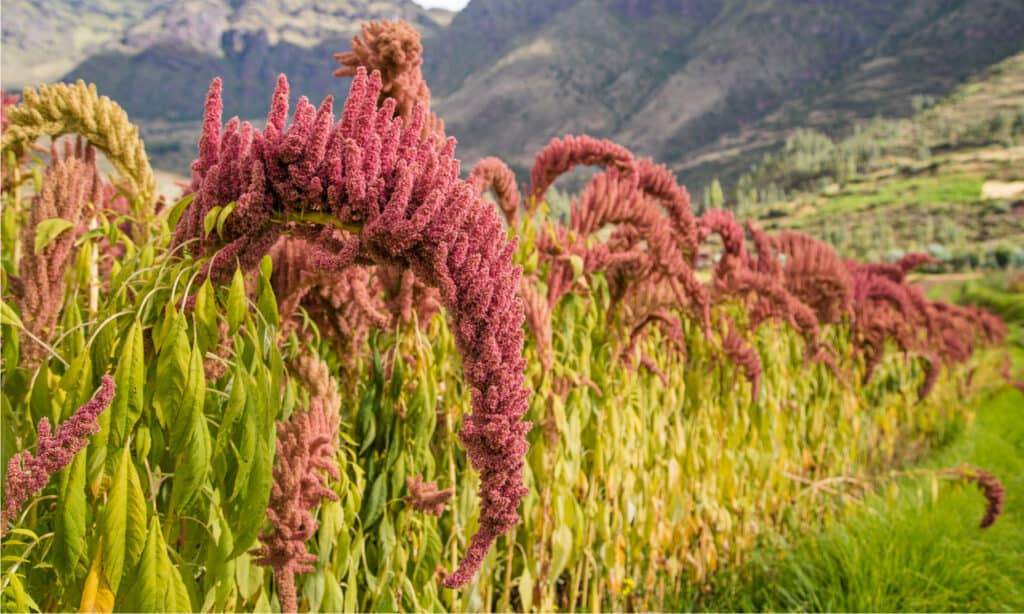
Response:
column 69, row 534
column 96, row 594
column 237, row 302
column 130, row 379
column 123, row 524
column 50, row 229
column 8, row 316
column 223, row 217
column 179, row 208
column 210, row 221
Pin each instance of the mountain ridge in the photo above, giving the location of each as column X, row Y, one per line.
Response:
column 706, row 86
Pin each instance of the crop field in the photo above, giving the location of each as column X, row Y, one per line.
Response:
column 340, row 373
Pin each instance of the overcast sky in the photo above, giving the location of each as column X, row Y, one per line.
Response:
column 451, row 5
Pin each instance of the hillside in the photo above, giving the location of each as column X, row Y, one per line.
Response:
column 158, row 62
column 707, row 86
column 949, row 180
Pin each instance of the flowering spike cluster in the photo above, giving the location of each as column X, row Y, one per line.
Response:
column 658, row 182
column 562, row 155
column 70, row 183
column 28, row 474
column 394, row 49
column 401, row 200
column 816, row 275
column 646, row 247
column 911, row 261
column 425, row 497
column 306, row 450
column 742, row 354
column 491, row 173
column 538, row 320
column 63, row 108
column 991, row 488
column 734, row 251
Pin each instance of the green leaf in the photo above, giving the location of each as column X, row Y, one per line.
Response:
column 171, row 367
column 40, row 398
column 69, row 534
column 129, row 379
column 50, row 229
column 192, row 440
column 373, row 505
column 250, row 510
column 333, row 599
column 178, row 209
column 219, row 579
column 205, row 317
column 210, row 221
column 429, row 556
column 223, row 217
column 266, row 302
column 232, row 411
column 157, row 585
column 123, row 525
column 9, row 316
column 238, row 303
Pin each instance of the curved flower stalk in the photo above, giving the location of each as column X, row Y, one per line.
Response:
column 70, row 183
column 772, row 301
column 28, row 474
column 394, row 49
column 991, row 488
column 491, row 173
column 306, row 450
column 538, row 320
column 562, row 155
column 645, row 246
column 765, row 262
column 658, row 182
column 55, row 110
column 816, row 275
column 743, row 355
column 734, row 251
column 399, row 198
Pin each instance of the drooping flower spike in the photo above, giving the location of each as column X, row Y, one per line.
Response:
column 492, row 173
column 27, row 474
column 398, row 197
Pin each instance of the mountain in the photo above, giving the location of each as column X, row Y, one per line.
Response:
column 158, row 62
column 707, row 86
column 704, row 85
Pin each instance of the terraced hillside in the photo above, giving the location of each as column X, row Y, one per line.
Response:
column 950, row 180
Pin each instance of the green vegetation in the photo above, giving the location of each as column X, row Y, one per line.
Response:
column 948, row 181
column 917, row 547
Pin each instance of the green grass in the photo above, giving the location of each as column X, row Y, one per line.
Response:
column 917, row 547
column 927, row 190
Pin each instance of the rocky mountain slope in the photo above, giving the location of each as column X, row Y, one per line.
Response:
column 157, row 61
column 705, row 85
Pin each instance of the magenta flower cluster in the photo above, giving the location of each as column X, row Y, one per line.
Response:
column 306, row 450
column 391, row 197
column 28, row 474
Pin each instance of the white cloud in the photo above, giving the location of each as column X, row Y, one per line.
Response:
column 451, row 5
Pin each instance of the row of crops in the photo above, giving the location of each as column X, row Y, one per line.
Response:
column 335, row 377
